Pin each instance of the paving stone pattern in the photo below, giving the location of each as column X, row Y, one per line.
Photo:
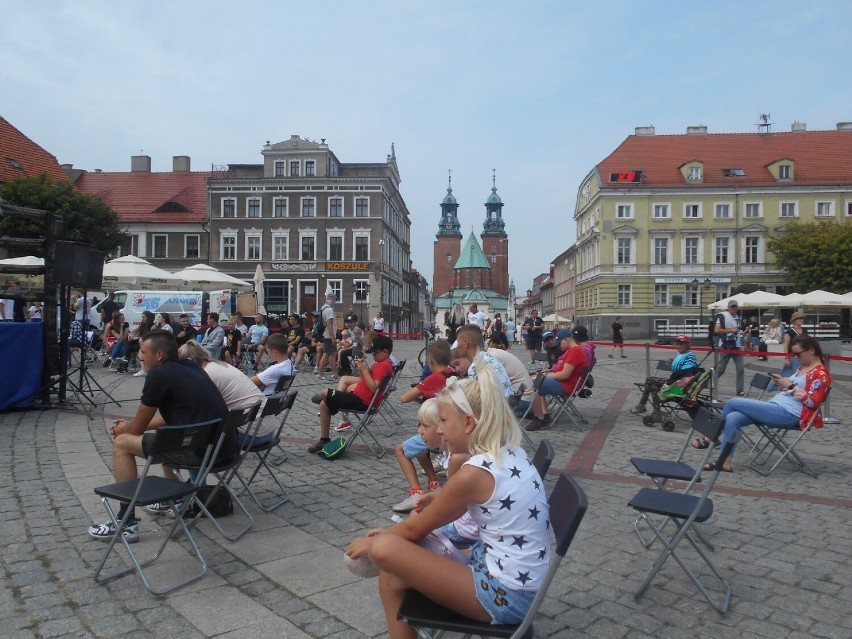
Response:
column 782, row 541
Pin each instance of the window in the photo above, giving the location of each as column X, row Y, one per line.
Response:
column 280, row 207
column 253, row 246
column 308, row 248
column 335, row 207
column 309, row 207
column 690, row 250
column 294, row 168
column 362, row 248
column 192, row 246
column 336, row 287
column 722, row 211
column 624, row 211
column 825, row 209
column 694, row 174
column 661, row 295
column 849, row 207
column 361, row 290
column 691, row 295
column 785, row 172
column 310, row 171
column 229, row 208
column 160, row 245
column 280, row 247
column 661, row 250
column 449, row 258
column 362, row 207
column 788, row 209
column 253, row 207
column 661, row 211
column 623, row 250
column 335, row 248
column 753, row 210
column 624, row 294
column 752, row 250
column 722, row 247
column 228, row 249
column 692, row 211
column 733, row 172
column 277, row 294
column 279, row 168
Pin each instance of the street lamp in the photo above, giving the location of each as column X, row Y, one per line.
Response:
column 701, row 286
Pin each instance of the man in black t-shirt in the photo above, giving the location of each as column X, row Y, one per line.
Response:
column 107, row 308
column 534, row 326
column 187, row 331
column 182, row 393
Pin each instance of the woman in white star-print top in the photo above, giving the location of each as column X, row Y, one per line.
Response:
column 504, row 495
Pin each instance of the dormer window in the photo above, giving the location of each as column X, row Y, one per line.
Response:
column 785, row 171
column 694, row 174
column 733, row 172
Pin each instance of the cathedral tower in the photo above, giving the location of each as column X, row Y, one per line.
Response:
column 495, row 242
column 447, row 243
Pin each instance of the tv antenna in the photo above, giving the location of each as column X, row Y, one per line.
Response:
column 764, row 126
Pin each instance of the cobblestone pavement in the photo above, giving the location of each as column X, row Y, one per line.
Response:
column 782, row 541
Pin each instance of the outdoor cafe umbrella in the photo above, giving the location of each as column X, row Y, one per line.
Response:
column 134, row 272
column 207, row 278
column 258, row 280
column 553, row 318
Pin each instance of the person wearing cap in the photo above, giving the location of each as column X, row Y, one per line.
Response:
column 551, row 347
column 684, row 364
column 354, row 393
column 796, row 329
column 729, row 331
column 329, row 350
column 561, row 379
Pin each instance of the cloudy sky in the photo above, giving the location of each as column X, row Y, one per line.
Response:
column 540, row 91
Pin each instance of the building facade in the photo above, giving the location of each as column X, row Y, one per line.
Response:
column 669, row 224
column 315, row 224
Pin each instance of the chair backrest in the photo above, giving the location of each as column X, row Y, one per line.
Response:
column 284, row 383
column 760, row 381
column 515, row 397
column 379, row 395
column 543, row 457
column 397, row 371
column 663, row 365
column 581, row 380
column 818, row 411
column 707, row 423
column 568, row 505
column 278, row 403
column 239, row 417
column 169, row 439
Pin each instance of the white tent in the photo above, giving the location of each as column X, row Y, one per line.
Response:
column 553, row 318
column 207, row 278
column 762, row 299
column 28, row 260
column 132, row 271
column 824, row 298
column 723, row 304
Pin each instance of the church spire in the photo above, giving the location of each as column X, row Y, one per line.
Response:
column 494, row 224
column 449, row 224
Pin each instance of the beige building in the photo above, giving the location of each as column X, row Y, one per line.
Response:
column 670, row 223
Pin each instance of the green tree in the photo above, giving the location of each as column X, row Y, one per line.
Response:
column 816, row 255
column 90, row 220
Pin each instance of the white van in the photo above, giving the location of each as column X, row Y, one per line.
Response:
column 196, row 304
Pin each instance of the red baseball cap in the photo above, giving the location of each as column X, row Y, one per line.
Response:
column 682, row 338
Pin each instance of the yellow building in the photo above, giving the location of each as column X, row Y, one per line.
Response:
column 670, row 223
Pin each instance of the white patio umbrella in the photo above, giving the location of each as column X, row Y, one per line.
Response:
column 258, row 280
column 793, row 300
column 207, row 278
column 723, row 304
column 824, row 298
column 134, row 272
column 762, row 299
column 28, row 260
column 553, row 318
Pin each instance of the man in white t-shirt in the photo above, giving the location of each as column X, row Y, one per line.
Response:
column 276, row 348
column 329, row 348
column 468, row 340
column 257, row 334
column 475, row 316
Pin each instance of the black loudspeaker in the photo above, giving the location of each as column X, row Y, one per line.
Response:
column 78, row 264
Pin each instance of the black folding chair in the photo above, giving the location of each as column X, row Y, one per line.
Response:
column 684, row 511
column 363, row 419
column 279, row 405
column 544, row 456
column 568, row 504
column 150, row 489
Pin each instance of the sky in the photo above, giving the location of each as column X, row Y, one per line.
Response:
column 541, row 91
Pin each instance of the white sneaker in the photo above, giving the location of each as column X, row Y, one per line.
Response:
column 140, row 374
column 409, row 502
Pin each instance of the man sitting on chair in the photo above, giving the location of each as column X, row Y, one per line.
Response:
column 182, row 393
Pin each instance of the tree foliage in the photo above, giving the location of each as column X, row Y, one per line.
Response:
column 816, row 255
column 90, row 220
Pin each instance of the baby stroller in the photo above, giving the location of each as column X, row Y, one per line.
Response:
column 686, row 395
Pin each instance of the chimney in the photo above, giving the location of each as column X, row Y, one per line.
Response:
column 696, row 130
column 180, row 164
column 140, row 163
column 644, row 130
column 798, row 127
column 844, row 126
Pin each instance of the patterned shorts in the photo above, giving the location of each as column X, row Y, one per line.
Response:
column 506, row 606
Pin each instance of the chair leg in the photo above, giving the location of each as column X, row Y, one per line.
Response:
column 263, row 463
column 777, row 441
column 376, row 447
column 232, row 537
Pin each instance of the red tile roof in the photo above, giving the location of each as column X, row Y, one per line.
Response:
column 819, row 157
column 21, row 157
column 137, row 196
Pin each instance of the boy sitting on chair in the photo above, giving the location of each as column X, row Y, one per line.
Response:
column 276, row 349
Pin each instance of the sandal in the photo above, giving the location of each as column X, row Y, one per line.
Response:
column 711, row 467
column 701, row 443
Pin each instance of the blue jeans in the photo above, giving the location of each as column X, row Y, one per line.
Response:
column 726, row 356
column 740, row 412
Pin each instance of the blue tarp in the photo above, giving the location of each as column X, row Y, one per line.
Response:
column 22, row 357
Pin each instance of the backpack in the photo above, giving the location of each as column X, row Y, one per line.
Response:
column 221, row 506
column 319, row 328
column 334, row 449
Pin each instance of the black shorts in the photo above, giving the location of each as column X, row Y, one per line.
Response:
column 188, row 457
column 328, row 347
column 533, row 342
column 342, row 400
column 618, row 340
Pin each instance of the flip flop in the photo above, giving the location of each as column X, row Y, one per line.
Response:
column 701, row 443
column 711, row 467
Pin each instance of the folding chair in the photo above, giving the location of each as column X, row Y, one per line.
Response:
column 397, row 371
column 684, row 511
column 777, row 439
column 662, row 471
column 278, row 405
column 224, row 471
column 568, row 504
column 565, row 403
column 366, row 418
column 543, row 457
column 152, row 489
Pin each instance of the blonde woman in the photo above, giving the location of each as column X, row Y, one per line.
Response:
column 504, row 495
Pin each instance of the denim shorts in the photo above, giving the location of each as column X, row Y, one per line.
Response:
column 506, row 606
column 550, row 386
column 453, row 535
column 414, row 446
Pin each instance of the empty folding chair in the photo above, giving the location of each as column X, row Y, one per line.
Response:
column 783, row 441
column 224, row 471
column 567, row 504
column 278, row 405
column 544, row 456
column 150, row 489
column 661, row 471
column 684, row 511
